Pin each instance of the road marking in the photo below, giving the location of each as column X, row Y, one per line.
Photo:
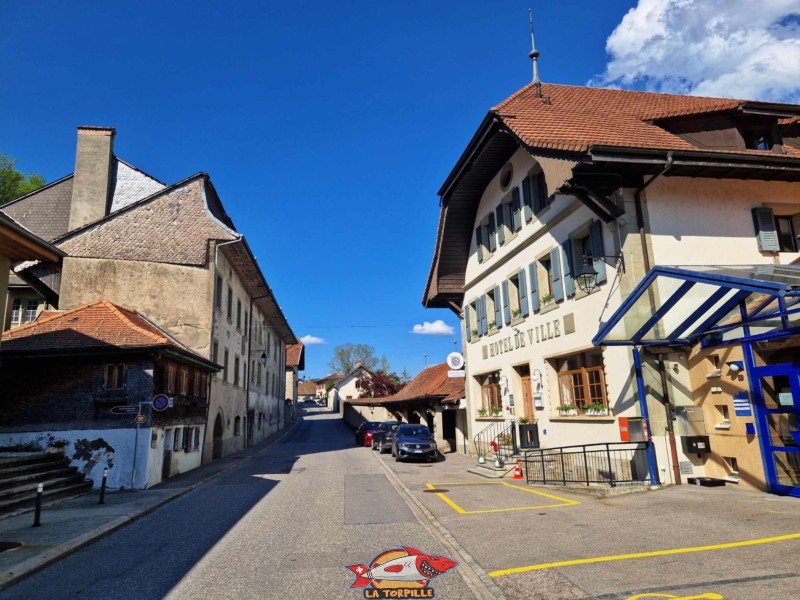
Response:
column 458, row 509
column 706, row 596
column 598, row 559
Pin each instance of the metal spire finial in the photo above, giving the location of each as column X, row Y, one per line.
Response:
column 534, row 55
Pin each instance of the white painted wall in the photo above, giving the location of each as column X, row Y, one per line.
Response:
column 119, row 461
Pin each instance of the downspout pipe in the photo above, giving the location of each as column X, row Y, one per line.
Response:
column 673, row 449
column 214, row 326
column 651, row 454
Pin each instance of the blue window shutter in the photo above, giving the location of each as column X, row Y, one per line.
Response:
column 543, row 190
column 596, row 244
column 484, row 315
column 766, row 234
column 534, row 287
column 523, row 294
column 527, row 206
column 506, row 303
column 492, row 238
column 569, row 282
column 516, row 216
column 498, row 308
column 479, row 243
column 539, row 191
column 466, row 321
column 555, row 269
column 501, row 234
column 478, row 318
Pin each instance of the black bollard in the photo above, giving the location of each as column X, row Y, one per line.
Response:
column 37, row 518
column 103, row 487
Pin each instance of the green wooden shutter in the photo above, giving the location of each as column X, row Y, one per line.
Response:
column 492, row 233
column 534, row 287
column 479, row 243
column 466, row 321
column 598, row 249
column 527, row 206
column 766, row 234
column 555, row 270
column 516, row 216
column 506, row 303
column 523, row 294
column 569, row 282
column 501, row 234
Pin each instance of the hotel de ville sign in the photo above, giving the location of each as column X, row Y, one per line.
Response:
column 521, row 339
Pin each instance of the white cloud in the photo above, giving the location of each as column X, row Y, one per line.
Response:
column 310, row 340
column 729, row 48
column 438, row 327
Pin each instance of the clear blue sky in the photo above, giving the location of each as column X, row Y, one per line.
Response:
column 327, row 128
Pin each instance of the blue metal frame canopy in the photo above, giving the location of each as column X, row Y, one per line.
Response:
column 715, row 304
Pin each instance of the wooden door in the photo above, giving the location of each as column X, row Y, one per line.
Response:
column 527, row 397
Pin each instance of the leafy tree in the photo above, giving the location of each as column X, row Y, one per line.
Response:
column 379, row 384
column 405, row 376
column 345, row 357
column 14, row 184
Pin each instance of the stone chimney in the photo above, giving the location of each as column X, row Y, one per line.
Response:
column 91, row 186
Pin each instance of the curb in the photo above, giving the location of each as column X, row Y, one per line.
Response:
column 474, row 575
column 37, row 563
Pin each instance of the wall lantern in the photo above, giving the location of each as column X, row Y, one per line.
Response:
column 263, row 358
column 586, row 276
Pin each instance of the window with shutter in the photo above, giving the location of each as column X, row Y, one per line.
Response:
column 491, row 234
column 555, row 267
column 501, row 228
column 468, row 322
column 516, row 211
column 479, row 243
column 522, row 289
column 506, row 304
column 569, row 282
column 534, row 285
column 766, row 234
column 527, row 202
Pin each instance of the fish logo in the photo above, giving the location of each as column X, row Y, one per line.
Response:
column 403, row 568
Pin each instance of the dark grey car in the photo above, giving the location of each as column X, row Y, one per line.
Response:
column 414, row 441
column 382, row 436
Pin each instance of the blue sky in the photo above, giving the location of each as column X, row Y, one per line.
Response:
column 327, row 128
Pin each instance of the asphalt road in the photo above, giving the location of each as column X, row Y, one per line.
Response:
column 282, row 525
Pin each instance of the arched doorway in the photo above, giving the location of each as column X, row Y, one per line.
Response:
column 218, row 429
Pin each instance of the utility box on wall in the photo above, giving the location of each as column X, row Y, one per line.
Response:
column 632, row 429
column 695, row 444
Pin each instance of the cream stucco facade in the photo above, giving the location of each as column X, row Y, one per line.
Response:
column 687, row 222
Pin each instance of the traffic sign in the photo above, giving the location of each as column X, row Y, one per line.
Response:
column 124, row 410
column 160, row 402
column 455, row 360
column 140, row 418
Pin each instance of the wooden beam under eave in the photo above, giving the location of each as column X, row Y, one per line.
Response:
column 19, row 247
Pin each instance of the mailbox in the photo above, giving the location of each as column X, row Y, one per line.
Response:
column 695, row 444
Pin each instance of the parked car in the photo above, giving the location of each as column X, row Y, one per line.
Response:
column 382, row 436
column 362, row 429
column 414, row 441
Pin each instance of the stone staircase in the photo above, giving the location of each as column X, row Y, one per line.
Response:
column 20, row 476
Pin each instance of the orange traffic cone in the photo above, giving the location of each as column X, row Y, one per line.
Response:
column 517, row 471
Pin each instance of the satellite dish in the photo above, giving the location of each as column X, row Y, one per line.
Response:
column 455, row 361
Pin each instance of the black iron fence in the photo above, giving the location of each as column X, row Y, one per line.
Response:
column 611, row 464
column 499, row 438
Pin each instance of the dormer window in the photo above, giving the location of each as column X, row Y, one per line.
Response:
column 755, row 139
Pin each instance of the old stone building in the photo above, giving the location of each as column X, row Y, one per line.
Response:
column 173, row 254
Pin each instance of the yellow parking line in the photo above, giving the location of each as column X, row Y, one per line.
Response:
column 458, row 509
column 598, row 559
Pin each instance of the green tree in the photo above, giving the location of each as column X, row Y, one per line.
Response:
column 345, row 357
column 14, row 184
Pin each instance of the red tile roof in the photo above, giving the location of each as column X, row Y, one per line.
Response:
column 306, row 388
column 433, row 381
column 580, row 117
column 97, row 325
column 294, row 355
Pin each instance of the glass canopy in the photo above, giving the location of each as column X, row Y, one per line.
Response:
column 715, row 304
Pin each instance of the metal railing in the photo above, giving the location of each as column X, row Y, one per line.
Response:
column 604, row 463
column 500, row 435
